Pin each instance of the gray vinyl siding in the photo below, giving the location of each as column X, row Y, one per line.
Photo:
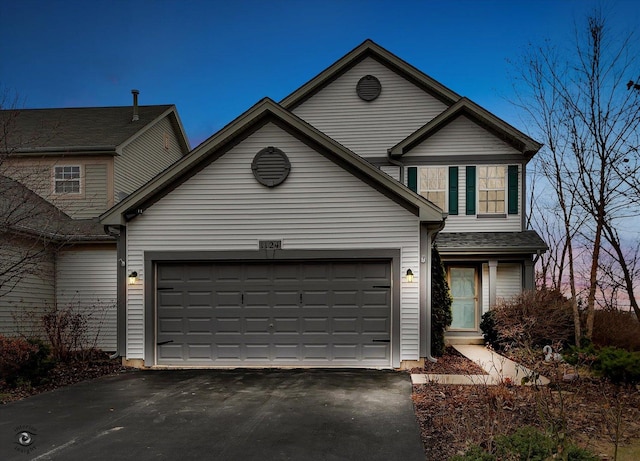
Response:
column 93, row 201
column 86, row 280
column 392, row 170
column 369, row 128
column 38, row 175
column 509, row 280
column 145, row 157
column 472, row 223
column 319, row 206
column 26, row 300
column 509, row 283
column 461, row 137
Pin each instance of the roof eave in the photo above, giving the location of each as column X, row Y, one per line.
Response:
column 422, row 208
column 368, row 48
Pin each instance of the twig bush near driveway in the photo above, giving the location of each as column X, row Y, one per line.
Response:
column 589, row 412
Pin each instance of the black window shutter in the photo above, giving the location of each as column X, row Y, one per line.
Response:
column 512, row 189
column 471, row 190
column 453, row 190
column 412, row 178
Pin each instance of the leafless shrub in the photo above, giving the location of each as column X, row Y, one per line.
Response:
column 535, row 318
column 616, row 328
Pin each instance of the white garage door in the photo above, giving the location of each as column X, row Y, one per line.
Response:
column 274, row 314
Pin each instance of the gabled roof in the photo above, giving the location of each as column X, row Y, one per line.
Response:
column 490, row 242
column 486, row 119
column 81, row 129
column 263, row 112
column 369, row 49
column 457, row 104
column 22, row 211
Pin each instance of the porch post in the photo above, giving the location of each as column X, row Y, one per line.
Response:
column 529, row 275
column 493, row 280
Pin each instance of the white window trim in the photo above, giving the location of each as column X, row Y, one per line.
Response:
column 492, row 214
column 446, row 185
column 56, row 180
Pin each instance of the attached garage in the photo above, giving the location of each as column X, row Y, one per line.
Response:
column 285, row 313
column 272, row 245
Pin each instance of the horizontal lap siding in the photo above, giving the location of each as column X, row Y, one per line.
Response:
column 509, row 281
column 471, row 223
column 393, row 171
column 369, row 128
column 463, row 137
column 86, row 280
column 508, row 284
column 145, row 157
column 95, row 194
column 30, row 296
column 319, row 206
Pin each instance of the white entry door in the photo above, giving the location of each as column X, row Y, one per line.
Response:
column 463, row 286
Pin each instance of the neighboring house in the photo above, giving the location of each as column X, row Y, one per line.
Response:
column 301, row 233
column 80, row 161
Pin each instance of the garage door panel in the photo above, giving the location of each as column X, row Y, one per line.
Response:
column 342, row 325
column 201, row 326
column 375, row 325
column 287, row 325
column 199, row 352
column 345, row 351
column 228, row 298
column 375, row 352
column 276, row 313
column 345, row 298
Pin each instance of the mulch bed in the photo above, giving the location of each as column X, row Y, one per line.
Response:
column 451, row 363
column 64, row 374
column 454, row 417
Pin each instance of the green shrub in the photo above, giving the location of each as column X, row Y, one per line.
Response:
column 23, row 361
column 474, row 454
column 441, row 315
column 581, row 356
column 618, row 365
column 525, row 444
column 489, row 332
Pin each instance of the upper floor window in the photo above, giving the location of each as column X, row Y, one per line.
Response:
column 433, row 185
column 67, row 179
column 491, row 189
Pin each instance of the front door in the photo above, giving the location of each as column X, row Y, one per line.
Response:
column 463, row 286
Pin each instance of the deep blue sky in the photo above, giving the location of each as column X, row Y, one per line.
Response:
column 214, row 59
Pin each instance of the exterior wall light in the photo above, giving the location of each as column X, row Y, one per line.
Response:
column 409, row 275
column 133, row 278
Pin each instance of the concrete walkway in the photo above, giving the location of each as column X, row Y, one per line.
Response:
column 500, row 369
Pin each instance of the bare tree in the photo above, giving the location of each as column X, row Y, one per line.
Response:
column 588, row 116
column 30, row 226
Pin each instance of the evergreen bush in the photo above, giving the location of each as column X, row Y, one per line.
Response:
column 441, row 316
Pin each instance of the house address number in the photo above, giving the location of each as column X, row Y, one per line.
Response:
column 270, row 244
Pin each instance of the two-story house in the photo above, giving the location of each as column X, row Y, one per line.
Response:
column 80, row 162
column 301, row 233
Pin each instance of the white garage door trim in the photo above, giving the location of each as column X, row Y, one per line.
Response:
column 153, row 259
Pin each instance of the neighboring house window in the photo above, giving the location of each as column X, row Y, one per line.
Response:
column 67, row 179
column 433, row 185
column 491, row 189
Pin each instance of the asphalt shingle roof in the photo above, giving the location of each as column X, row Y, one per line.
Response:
column 24, row 211
column 74, row 128
column 490, row 242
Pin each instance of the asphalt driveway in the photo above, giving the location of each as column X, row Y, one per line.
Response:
column 219, row 415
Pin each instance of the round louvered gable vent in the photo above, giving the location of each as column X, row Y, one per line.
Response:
column 368, row 88
column 270, row 166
